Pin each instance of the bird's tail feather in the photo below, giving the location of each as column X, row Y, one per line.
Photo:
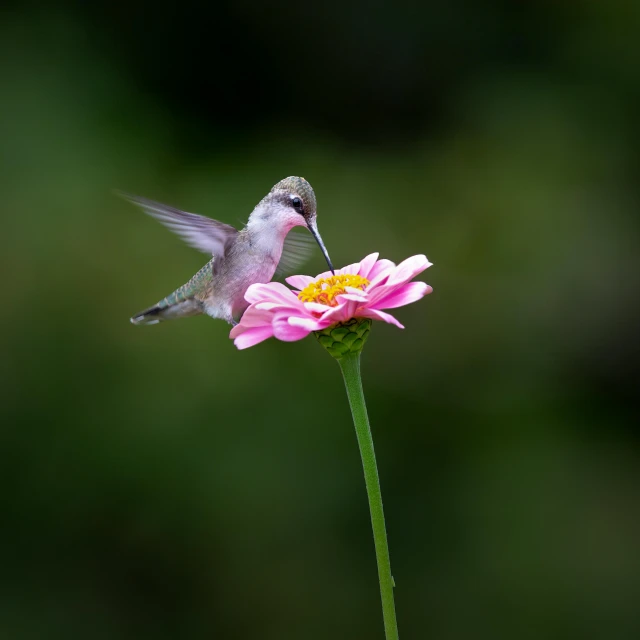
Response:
column 183, row 302
column 163, row 311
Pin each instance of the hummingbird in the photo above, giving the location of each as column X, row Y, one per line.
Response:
column 240, row 257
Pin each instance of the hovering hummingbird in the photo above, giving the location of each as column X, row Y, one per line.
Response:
column 240, row 258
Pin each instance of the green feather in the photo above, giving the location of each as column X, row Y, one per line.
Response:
column 197, row 285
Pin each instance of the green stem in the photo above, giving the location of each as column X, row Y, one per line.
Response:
column 350, row 366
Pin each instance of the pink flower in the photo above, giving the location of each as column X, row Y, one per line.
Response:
column 360, row 290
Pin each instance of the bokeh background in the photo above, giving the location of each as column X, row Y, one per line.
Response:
column 158, row 483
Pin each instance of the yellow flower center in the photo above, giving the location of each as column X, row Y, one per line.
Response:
column 325, row 290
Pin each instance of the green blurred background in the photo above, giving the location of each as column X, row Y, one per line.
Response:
column 158, row 483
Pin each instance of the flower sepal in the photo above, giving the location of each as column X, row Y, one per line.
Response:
column 345, row 337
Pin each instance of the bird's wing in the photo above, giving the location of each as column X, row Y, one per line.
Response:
column 197, row 231
column 297, row 248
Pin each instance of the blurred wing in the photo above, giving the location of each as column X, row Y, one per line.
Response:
column 197, row 231
column 296, row 250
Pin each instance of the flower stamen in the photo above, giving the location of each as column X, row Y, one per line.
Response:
column 325, row 290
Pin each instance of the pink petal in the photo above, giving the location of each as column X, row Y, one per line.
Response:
column 315, row 307
column 374, row 314
column 356, row 291
column 309, row 324
column 268, row 306
column 252, row 317
column 380, row 272
column 367, row 264
column 408, row 269
column 325, row 274
column 353, row 293
column 253, row 336
column 287, row 332
column 299, row 282
column 270, row 292
column 349, row 269
column 405, row 294
column 352, row 307
column 353, row 297
column 362, row 268
column 337, row 314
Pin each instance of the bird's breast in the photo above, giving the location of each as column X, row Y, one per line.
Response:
column 233, row 282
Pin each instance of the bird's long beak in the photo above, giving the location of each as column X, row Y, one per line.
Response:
column 313, row 227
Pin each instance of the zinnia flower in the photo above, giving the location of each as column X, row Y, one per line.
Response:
column 360, row 290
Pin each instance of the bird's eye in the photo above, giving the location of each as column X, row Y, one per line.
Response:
column 297, row 204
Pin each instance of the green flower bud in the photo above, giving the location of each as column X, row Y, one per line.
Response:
column 345, row 337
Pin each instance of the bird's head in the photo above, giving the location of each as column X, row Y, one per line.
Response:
column 292, row 203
